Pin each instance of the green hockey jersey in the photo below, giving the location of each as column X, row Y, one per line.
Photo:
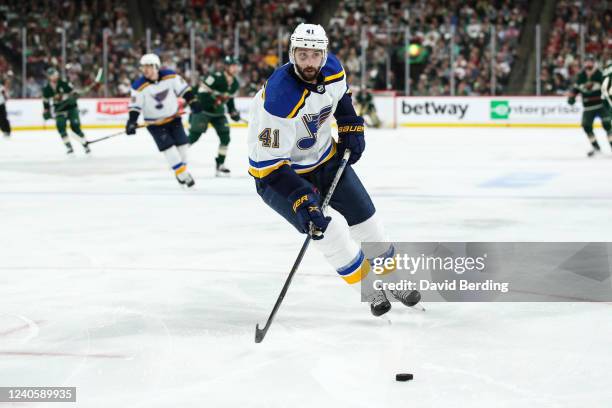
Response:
column 60, row 96
column 589, row 87
column 215, row 92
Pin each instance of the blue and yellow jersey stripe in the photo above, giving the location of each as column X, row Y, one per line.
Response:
column 332, row 71
column 334, row 78
column 328, row 154
column 168, row 76
column 162, row 121
column 263, row 168
column 142, row 82
column 299, row 105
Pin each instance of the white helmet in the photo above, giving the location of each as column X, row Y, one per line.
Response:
column 308, row 36
column 150, row 59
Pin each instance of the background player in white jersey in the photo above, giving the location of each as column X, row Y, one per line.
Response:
column 606, row 86
column 156, row 94
column 293, row 158
column 5, row 125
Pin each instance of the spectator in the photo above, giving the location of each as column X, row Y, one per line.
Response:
column 588, row 19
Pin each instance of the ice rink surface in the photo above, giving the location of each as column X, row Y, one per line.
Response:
column 116, row 281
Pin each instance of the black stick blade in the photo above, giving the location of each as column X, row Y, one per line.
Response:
column 259, row 334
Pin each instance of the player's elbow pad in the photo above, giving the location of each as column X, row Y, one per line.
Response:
column 284, row 181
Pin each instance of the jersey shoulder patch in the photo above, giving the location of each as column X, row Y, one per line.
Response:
column 140, row 83
column 166, row 74
column 332, row 71
column 283, row 95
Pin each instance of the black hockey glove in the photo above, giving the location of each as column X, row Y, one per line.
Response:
column 306, row 207
column 130, row 127
column 235, row 115
column 571, row 100
column 350, row 136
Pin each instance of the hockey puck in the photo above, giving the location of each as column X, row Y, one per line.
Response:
column 403, row 377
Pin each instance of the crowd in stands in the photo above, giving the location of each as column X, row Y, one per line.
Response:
column 562, row 57
column 84, row 25
column 213, row 22
column 431, row 25
column 258, row 24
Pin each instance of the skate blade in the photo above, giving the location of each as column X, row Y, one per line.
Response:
column 419, row 306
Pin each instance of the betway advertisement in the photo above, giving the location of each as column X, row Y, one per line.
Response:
column 486, row 111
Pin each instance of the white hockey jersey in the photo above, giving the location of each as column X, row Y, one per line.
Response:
column 3, row 95
column 290, row 121
column 158, row 101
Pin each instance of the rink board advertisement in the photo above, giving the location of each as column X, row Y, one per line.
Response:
column 394, row 111
column 493, row 271
column 27, row 114
column 486, row 111
column 96, row 113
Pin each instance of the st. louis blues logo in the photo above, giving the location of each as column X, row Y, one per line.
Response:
column 313, row 122
column 159, row 97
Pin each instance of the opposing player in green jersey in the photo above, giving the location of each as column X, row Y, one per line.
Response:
column 217, row 91
column 60, row 102
column 588, row 85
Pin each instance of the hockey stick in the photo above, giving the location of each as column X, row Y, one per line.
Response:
column 97, row 81
column 78, row 93
column 137, row 127
column 261, row 333
column 109, row 136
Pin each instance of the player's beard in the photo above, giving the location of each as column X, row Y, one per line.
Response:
column 308, row 74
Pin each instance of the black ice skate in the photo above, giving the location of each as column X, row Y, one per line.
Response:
column 189, row 181
column 222, row 171
column 69, row 149
column 594, row 153
column 86, row 147
column 408, row 298
column 379, row 304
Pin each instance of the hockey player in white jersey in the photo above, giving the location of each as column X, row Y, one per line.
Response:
column 5, row 125
column 606, row 85
column 156, row 94
column 293, row 158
